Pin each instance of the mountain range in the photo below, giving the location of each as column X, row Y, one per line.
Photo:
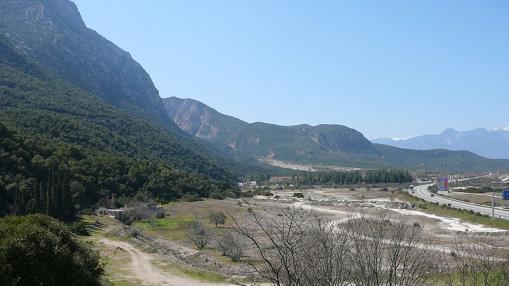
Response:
column 488, row 143
column 322, row 145
column 82, row 125
column 64, row 82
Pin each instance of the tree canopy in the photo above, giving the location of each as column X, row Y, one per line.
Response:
column 39, row 250
column 37, row 176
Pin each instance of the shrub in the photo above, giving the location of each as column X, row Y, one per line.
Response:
column 232, row 245
column 199, row 234
column 190, row 197
column 216, row 195
column 79, row 228
column 298, row 195
column 217, row 218
column 39, row 250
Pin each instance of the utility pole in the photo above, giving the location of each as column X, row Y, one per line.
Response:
column 492, row 205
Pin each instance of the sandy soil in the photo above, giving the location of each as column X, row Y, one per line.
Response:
column 307, row 167
column 142, row 268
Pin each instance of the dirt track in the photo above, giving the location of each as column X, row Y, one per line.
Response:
column 143, row 269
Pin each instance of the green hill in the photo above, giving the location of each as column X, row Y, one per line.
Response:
column 301, row 143
column 439, row 159
column 322, row 145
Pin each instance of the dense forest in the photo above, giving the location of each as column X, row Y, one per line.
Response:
column 35, row 101
column 37, row 175
column 346, row 178
column 63, row 149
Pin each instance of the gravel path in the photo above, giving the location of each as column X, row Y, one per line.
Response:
column 143, row 269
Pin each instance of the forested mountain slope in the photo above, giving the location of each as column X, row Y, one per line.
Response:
column 38, row 102
column 58, row 178
column 63, row 149
column 52, row 33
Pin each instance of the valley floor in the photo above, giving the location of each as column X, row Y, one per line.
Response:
column 158, row 252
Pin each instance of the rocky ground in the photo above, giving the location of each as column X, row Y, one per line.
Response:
column 159, row 252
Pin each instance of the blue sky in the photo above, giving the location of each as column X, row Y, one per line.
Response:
column 385, row 68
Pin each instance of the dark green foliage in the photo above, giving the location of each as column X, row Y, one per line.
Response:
column 63, row 81
column 217, row 196
column 79, row 228
column 351, row 178
column 67, row 150
column 298, row 195
column 217, row 218
column 33, row 178
column 387, row 176
column 38, row 250
column 56, row 110
column 37, row 176
column 257, row 192
column 190, row 197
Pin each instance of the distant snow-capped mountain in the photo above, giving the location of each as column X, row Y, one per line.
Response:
column 492, row 143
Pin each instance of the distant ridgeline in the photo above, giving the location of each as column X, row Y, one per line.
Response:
column 322, row 145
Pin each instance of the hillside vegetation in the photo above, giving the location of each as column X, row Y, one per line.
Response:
column 321, row 145
column 63, row 150
column 39, row 250
column 60, row 179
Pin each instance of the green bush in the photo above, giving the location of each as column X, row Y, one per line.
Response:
column 217, row 218
column 39, row 250
column 190, row 197
column 79, row 228
column 216, row 195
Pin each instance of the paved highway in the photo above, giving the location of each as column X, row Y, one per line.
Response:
column 423, row 193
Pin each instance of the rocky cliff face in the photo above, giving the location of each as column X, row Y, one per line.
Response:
column 53, row 33
column 292, row 143
column 198, row 119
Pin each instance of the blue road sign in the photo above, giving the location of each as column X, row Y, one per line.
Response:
column 443, row 184
column 505, row 195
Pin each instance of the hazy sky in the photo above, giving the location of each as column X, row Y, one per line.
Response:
column 386, row 68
